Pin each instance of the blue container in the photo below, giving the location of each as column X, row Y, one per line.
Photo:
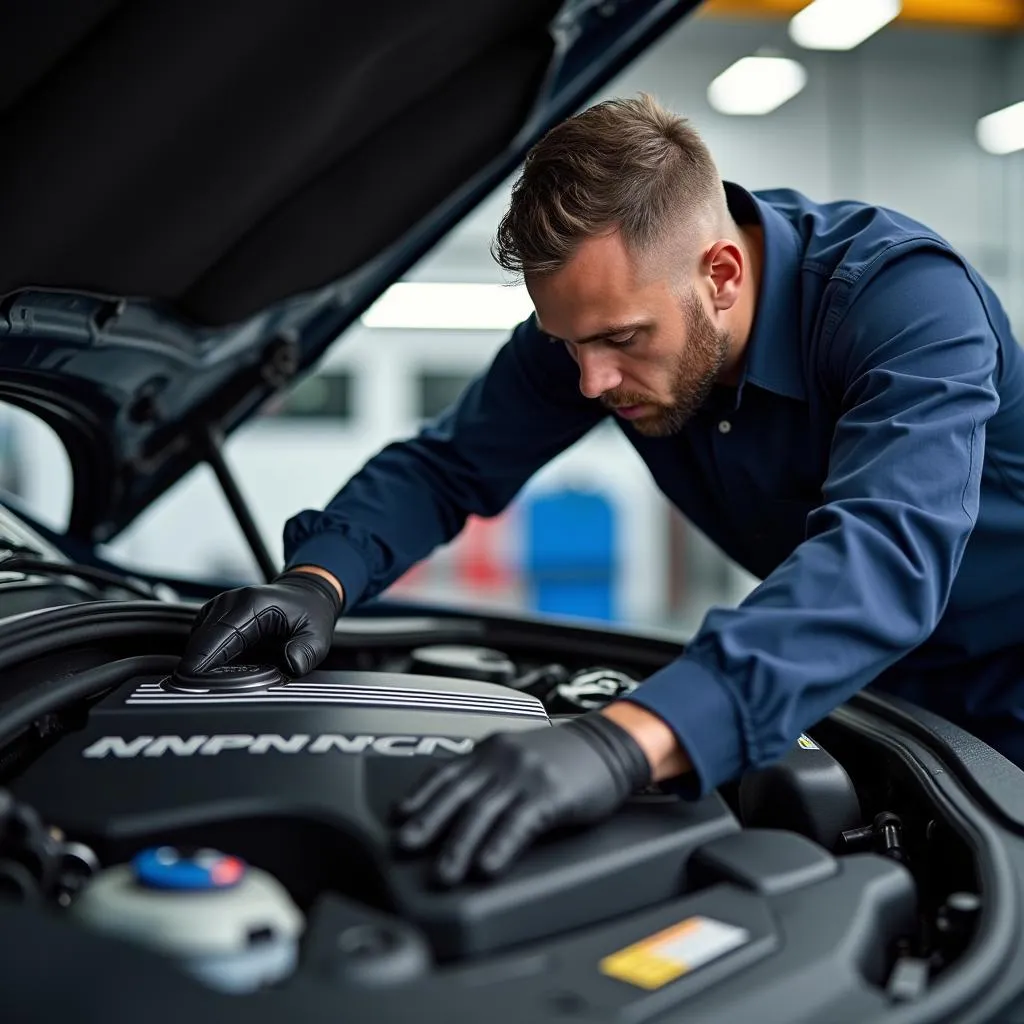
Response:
column 570, row 554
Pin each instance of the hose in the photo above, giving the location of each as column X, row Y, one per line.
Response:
column 20, row 711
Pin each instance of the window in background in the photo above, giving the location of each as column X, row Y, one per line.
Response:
column 34, row 466
column 323, row 396
column 436, row 390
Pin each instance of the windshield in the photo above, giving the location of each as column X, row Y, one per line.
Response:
column 17, row 536
column 35, row 476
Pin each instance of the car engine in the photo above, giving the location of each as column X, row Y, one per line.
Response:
column 238, row 827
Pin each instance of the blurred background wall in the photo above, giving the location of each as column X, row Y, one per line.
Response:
column 893, row 121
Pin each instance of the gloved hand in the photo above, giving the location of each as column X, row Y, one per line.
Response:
column 491, row 804
column 288, row 623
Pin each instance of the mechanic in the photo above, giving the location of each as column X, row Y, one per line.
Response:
column 829, row 391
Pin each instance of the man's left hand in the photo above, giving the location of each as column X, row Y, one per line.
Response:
column 493, row 803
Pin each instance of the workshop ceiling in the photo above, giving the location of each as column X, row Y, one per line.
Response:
column 1007, row 15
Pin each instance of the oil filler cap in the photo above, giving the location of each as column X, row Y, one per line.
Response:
column 202, row 871
column 232, row 678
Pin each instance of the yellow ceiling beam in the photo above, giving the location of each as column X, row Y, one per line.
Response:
column 979, row 14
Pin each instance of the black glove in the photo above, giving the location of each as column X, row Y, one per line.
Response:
column 288, row 623
column 494, row 802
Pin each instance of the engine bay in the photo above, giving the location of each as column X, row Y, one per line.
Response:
column 240, row 832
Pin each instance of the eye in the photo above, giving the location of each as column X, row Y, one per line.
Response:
column 622, row 342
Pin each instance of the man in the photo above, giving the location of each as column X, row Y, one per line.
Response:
column 829, row 391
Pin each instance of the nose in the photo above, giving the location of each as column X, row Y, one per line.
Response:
column 598, row 372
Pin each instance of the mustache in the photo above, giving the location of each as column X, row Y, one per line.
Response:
column 624, row 399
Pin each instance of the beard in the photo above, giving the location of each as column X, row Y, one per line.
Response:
column 694, row 372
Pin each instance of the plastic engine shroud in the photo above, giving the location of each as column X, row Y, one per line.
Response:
column 299, row 779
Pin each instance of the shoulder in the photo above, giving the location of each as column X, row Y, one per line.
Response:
column 848, row 240
column 877, row 265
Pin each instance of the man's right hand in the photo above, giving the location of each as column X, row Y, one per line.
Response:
column 288, row 623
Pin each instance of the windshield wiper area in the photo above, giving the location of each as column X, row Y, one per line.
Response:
column 26, row 560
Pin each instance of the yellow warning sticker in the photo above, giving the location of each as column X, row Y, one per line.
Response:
column 669, row 954
column 807, row 743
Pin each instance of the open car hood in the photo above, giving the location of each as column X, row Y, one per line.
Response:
column 193, row 210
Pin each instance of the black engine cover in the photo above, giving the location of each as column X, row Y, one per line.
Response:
column 150, row 756
column 300, row 780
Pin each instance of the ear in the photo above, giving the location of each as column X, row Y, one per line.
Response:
column 722, row 270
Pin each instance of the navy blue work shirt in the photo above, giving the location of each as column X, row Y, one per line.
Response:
column 868, row 468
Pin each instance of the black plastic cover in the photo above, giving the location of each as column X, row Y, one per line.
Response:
column 667, row 912
column 301, row 779
column 808, row 956
column 807, row 791
column 460, row 661
column 767, row 861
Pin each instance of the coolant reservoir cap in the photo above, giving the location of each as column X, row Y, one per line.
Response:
column 165, row 867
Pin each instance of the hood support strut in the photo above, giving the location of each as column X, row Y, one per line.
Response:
column 212, row 443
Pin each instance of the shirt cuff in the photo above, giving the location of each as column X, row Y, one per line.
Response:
column 702, row 712
column 343, row 560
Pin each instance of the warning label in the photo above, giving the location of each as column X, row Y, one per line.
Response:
column 669, row 954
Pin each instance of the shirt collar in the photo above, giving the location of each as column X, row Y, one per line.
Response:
column 773, row 356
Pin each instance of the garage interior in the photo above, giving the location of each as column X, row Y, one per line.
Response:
column 898, row 118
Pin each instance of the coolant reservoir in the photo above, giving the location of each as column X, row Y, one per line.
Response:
column 231, row 925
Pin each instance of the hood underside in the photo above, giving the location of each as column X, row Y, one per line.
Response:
column 223, row 162
column 195, row 202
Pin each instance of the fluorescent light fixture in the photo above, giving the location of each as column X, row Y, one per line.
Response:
column 1002, row 132
column 841, row 24
column 450, row 306
column 756, row 85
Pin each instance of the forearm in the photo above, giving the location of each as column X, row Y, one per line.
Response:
column 316, row 570
column 655, row 738
column 403, row 504
column 417, row 494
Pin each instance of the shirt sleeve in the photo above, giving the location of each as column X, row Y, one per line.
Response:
column 416, row 494
column 914, row 358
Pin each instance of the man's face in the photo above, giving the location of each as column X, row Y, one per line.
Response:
column 645, row 346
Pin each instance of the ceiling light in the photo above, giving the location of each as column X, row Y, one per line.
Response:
column 450, row 306
column 841, row 24
column 1002, row 132
column 756, row 85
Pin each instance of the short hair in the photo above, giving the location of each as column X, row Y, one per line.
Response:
column 626, row 164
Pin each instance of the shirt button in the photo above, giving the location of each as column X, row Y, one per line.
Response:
column 724, row 427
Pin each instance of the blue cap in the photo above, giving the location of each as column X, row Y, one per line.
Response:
column 164, row 867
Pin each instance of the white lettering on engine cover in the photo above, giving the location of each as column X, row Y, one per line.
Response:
column 292, row 745
column 187, row 746
column 175, row 744
column 346, row 744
